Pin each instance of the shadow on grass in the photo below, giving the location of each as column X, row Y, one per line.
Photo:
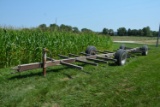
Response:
column 112, row 64
column 32, row 74
column 130, row 55
column 49, row 70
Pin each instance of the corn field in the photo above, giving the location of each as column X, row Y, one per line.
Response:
column 20, row 46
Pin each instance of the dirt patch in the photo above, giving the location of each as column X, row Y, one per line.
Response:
column 148, row 42
column 125, row 41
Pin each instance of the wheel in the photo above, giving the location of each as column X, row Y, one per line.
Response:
column 144, row 50
column 122, row 47
column 91, row 50
column 121, row 56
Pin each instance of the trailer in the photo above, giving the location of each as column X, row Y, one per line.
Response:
column 91, row 56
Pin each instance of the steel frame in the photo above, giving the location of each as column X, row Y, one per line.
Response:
column 68, row 60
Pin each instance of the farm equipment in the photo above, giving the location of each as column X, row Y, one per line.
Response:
column 90, row 56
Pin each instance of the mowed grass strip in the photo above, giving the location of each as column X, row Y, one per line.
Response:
column 134, row 84
column 136, row 39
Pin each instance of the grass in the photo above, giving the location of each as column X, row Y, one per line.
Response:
column 134, row 84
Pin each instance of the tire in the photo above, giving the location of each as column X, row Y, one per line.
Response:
column 122, row 47
column 91, row 50
column 120, row 56
column 144, row 50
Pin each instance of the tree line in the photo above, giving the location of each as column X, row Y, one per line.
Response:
column 62, row 27
column 146, row 31
column 122, row 31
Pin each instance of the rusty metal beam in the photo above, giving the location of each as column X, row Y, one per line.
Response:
column 91, row 63
column 25, row 67
column 102, row 52
column 63, row 56
column 70, row 54
column 71, row 65
column 109, row 55
column 106, row 56
column 57, row 62
column 109, row 51
column 48, row 58
column 84, row 54
column 30, row 66
column 107, row 59
column 97, row 60
column 44, row 59
column 133, row 49
column 54, row 62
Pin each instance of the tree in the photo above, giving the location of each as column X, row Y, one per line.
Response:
column 140, row 32
column 155, row 33
column 129, row 32
column 65, row 28
column 85, row 30
column 75, row 30
column 134, row 32
column 147, row 31
column 42, row 26
column 105, row 31
column 54, row 27
column 68, row 28
column 111, row 32
column 122, row 31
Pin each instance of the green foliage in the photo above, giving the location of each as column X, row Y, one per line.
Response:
column 54, row 27
column 25, row 46
column 134, row 85
column 43, row 27
column 154, row 33
column 75, row 30
column 111, row 32
column 146, row 31
column 106, row 31
column 65, row 28
column 85, row 30
column 122, row 31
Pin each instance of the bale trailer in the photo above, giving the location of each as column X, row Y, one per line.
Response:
column 91, row 56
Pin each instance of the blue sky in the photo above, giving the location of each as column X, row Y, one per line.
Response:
column 91, row 14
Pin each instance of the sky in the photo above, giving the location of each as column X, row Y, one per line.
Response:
column 91, row 14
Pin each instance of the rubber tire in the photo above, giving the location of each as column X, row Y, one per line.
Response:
column 91, row 50
column 144, row 50
column 122, row 47
column 121, row 56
